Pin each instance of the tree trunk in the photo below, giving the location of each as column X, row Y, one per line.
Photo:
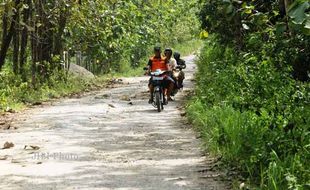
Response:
column 46, row 41
column 6, row 41
column 16, row 43
column 238, row 31
column 34, row 47
column 24, row 39
column 287, row 3
column 58, row 47
column 5, row 22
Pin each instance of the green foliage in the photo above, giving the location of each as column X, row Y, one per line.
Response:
column 298, row 14
column 253, row 97
column 116, row 37
column 188, row 47
column 15, row 94
column 121, row 31
column 251, row 25
column 250, row 110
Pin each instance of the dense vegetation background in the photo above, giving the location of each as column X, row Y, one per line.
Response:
column 253, row 92
column 252, row 100
column 109, row 36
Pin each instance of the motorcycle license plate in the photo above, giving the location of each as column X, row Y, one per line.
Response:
column 158, row 78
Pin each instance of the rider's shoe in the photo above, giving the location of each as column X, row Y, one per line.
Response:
column 174, row 92
column 165, row 101
column 150, row 100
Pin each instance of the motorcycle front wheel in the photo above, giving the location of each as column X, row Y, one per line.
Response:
column 158, row 101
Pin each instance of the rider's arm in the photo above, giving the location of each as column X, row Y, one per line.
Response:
column 172, row 64
column 167, row 64
column 149, row 65
column 182, row 64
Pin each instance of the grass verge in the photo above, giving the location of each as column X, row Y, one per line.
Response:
column 254, row 115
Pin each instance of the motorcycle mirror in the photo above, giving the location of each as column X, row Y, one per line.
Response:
column 145, row 68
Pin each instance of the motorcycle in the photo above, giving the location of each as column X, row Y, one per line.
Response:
column 157, row 80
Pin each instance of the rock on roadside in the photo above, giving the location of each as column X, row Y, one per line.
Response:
column 80, row 71
column 8, row 145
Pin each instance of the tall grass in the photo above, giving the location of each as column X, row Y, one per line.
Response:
column 16, row 94
column 188, row 47
column 254, row 115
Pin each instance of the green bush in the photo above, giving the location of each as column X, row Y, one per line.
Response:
column 14, row 93
column 252, row 112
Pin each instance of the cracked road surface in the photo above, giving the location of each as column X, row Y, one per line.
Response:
column 110, row 139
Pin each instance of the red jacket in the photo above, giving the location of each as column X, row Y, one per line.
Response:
column 158, row 63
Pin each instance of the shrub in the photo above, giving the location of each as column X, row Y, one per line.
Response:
column 253, row 113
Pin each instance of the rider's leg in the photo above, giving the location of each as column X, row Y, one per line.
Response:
column 175, row 86
column 151, row 88
column 181, row 79
column 170, row 87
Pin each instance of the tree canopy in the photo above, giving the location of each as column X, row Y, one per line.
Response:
column 110, row 32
